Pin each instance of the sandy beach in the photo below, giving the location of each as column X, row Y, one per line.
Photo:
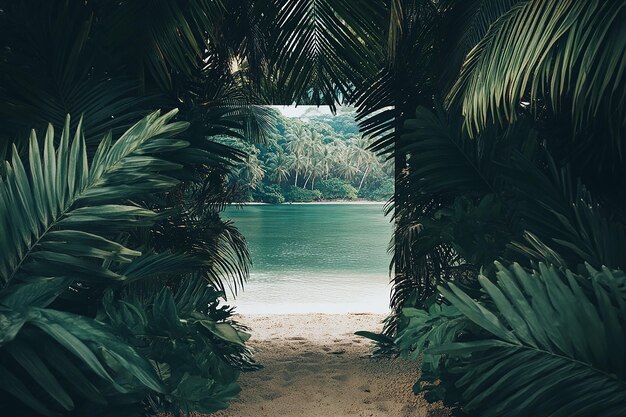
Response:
column 329, row 202
column 314, row 366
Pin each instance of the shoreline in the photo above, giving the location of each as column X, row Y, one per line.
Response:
column 327, row 202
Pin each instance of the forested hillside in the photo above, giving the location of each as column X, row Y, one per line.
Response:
column 315, row 156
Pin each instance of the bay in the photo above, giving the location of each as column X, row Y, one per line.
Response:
column 326, row 258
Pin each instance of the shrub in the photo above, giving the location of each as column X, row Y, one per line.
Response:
column 335, row 188
column 303, row 195
column 501, row 353
column 268, row 194
column 89, row 324
column 381, row 191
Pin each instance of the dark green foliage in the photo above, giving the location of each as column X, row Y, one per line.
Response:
column 269, row 194
column 522, row 166
column 525, row 163
column 576, row 55
column 65, row 221
column 508, row 201
column 301, row 195
column 336, row 189
column 531, row 336
column 319, row 49
column 193, row 345
column 378, row 191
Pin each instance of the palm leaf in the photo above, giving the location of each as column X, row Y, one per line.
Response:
column 570, row 55
column 163, row 38
column 323, row 48
column 391, row 93
column 88, row 350
column 550, row 347
column 464, row 25
column 47, row 215
column 565, row 224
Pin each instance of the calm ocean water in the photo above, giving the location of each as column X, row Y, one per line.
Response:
column 315, row 258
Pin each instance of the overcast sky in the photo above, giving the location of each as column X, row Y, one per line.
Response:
column 293, row 111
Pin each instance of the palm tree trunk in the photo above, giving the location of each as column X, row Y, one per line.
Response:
column 363, row 178
column 295, row 183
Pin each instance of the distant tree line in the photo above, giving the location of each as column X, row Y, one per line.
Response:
column 316, row 157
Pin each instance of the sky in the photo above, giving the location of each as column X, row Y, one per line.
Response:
column 299, row 111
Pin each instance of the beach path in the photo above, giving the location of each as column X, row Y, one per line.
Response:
column 314, row 366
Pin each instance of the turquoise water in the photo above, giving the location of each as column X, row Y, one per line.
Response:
column 315, row 257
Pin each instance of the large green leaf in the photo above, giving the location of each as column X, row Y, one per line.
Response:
column 55, row 217
column 69, row 357
column 61, row 217
column 550, row 345
column 570, row 54
column 193, row 345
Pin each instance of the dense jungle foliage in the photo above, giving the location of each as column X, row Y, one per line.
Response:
column 115, row 262
column 505, row 123
column 312, row 157
column 510, row 231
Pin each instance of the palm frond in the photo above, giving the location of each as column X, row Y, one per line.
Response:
column 548, row 348
column 565, row 224
column 47, row 214
column 464, row 25
column 571, row 56
column 161, row 38
column 322, row 48
column 48, row 346
column 51, row 68
column 450, row 224
column 390, row 94
column 61, row 219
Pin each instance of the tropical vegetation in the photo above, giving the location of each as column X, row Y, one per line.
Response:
column 510, row 228
column 96, row 319
column 312, row 157
column 504, row 121
column 115, row 261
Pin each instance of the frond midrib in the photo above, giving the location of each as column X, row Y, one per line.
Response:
column 565, row 358
column 95, row 182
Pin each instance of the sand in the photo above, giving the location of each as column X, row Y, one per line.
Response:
column 314, row 366
column 327, row 202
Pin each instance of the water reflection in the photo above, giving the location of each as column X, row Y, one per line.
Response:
column 315, row 258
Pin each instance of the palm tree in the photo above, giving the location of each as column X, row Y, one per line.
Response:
column 279, row 168
column 317, row 171
column 313, row 169
column 347, row 169
column 361, row 157
column 251, row 171
column 297, row 163
column 298, row 141
column 316, row 143
column 327, row 159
